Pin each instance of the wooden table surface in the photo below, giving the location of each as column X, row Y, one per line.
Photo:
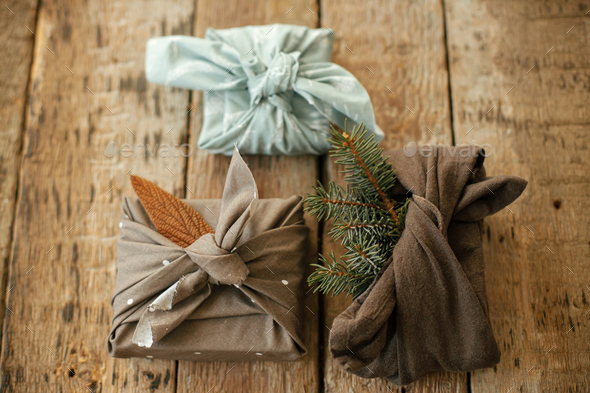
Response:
column 511, row 74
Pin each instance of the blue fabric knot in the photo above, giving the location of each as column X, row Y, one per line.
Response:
column 269, row 89
column 276, row 83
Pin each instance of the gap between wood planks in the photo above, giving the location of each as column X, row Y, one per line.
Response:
column 321, row 163
column 450, row 89
column 452, row 120
column 188, row 139
column 17, row 170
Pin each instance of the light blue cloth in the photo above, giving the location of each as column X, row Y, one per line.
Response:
column 268, row 89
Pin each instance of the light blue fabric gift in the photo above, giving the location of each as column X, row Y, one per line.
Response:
column 268, row 89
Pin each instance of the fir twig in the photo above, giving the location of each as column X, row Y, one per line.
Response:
column 367, row 220
column 389, row 204
column 335, row 276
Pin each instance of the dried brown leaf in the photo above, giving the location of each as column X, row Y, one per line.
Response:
column 172, row 217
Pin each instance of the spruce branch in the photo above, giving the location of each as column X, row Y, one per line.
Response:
column 366, row 218
column 367, row 170
column 335, row 202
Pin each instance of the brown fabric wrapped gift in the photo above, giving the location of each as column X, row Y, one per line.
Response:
column 427, row 309
column 234, row 295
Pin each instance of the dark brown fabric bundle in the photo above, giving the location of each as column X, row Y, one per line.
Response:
column 427, row 310
column 234, row 295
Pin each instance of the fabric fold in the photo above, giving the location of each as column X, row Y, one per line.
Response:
column 427, row 309
column 269, row 89
column 166, row 294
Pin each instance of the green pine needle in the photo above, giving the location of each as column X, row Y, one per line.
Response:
column 336, row 277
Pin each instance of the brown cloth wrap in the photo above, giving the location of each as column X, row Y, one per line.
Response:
column 235, row 295
column 427, row 309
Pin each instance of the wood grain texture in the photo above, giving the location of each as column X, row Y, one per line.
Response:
column 397, row 50
column 87, row 87
column 275, row 177
column 16, row 45
column 520, row 75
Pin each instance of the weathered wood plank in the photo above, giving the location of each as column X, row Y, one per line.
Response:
column 275, row 177
column 536, row 121
column 397, row 50
column 87, row 89
column 16, row 44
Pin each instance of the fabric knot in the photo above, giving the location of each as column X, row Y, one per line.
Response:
column 276, row 83
column 222, row 266
column 269, row 90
